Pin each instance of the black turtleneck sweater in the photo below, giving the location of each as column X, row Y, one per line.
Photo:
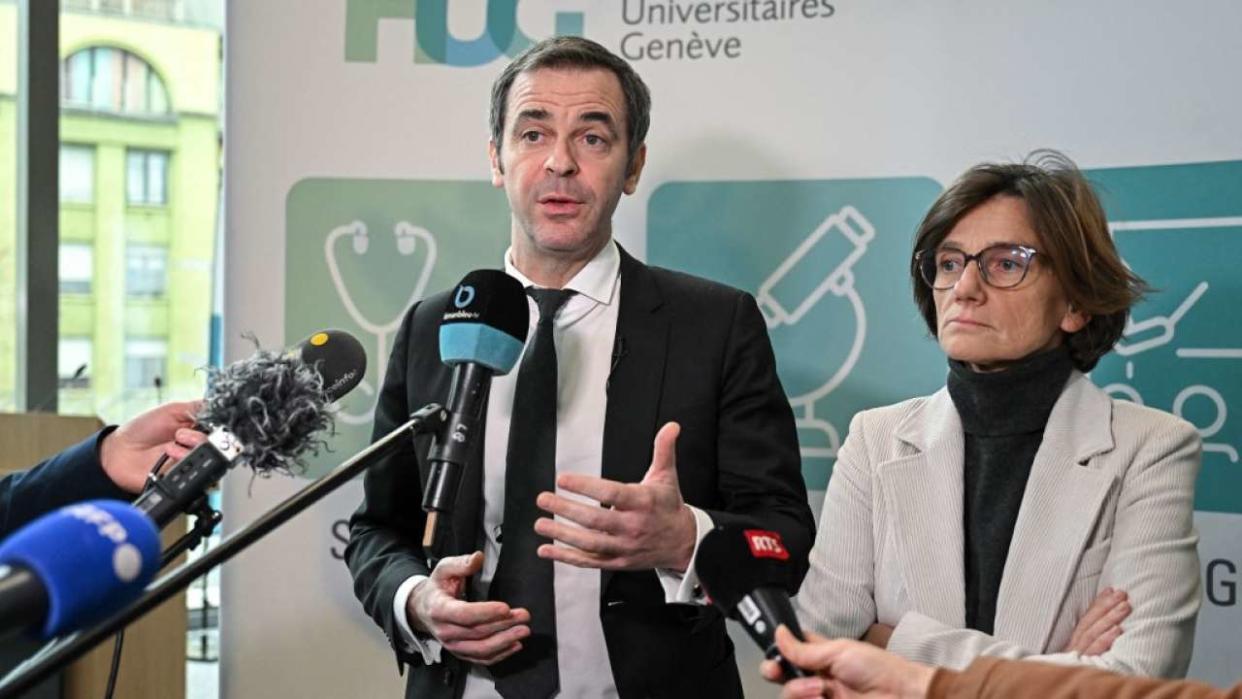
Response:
column 1003, row 415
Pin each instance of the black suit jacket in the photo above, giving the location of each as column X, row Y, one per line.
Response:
column 74, row 474
column 686, row 350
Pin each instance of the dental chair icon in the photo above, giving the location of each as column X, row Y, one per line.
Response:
column 1160, row 331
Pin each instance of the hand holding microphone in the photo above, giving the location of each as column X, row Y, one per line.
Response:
column 174, row 429
column 478, row 632
column 747, row 574
column 127, row 453
column 87, row 560
column 264, row 410
column 845, row 668
column 276, row 412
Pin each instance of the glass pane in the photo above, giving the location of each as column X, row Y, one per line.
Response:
column 73, row 362
column 117, row 184
column 104, row 75
column 135, row 84
column 8, row 205
column 157, row 94
column 144, row 364
column 155, row 9
column 76, row 83
column 140, row 349
column 76, row 268
column 77, row 173
column 146, row 270
column 157, row 173
column 135, row 177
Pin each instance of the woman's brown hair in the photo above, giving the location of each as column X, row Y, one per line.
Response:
column 1074, row 243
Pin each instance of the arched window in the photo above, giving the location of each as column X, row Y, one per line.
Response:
column 114, row 80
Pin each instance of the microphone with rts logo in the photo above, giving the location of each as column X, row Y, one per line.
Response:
column 747, row 574
column 482, row 333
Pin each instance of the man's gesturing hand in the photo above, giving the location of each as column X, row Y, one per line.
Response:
column 639, row 526
column 478, row 632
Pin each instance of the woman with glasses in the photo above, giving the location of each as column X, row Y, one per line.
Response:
column 1019, row 511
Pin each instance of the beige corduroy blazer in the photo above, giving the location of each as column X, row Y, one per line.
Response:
column 1109, row 503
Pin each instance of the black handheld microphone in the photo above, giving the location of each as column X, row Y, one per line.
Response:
column 482, row 334
column 747, row 574
column 264, row 410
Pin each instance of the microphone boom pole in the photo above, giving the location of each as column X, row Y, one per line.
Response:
column 60, row 654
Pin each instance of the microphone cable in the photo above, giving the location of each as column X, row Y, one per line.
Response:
column 119, row 644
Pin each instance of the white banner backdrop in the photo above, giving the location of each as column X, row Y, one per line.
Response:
column 384, row 103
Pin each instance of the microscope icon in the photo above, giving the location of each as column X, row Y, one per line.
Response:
column 797, row 286
column 408, row 238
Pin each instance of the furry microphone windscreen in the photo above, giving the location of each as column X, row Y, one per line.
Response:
column 274, row 403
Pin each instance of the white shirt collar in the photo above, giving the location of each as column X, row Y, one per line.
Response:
column 597, row 280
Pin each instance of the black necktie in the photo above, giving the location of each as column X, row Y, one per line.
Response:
column 523, row 579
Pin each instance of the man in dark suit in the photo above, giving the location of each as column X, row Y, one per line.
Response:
column 112, row 464
column 646, row 409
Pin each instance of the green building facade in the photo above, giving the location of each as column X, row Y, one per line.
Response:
column 140, row 170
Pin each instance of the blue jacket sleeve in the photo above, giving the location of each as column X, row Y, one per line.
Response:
column 72, row 475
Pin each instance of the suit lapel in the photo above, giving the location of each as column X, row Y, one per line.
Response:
column 924, row 495
column 1059, row 511
column 634, row 385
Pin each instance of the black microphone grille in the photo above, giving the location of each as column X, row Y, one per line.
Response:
column 734, row 561
column 339, row 359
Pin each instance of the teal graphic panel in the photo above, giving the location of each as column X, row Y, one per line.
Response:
column 360, row 252
column 1180, row 228
column 828, row 262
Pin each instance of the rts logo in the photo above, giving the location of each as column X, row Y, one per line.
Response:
column 465, row 294
column 766, row 544
column 432, row 41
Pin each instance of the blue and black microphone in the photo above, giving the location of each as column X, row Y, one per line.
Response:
column 482, row 334
column 74, row 566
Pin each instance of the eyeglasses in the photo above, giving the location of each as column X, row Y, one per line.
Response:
column 1002, row 266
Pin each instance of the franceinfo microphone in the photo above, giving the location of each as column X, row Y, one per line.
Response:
column 747, row 574
column 264, row 410
column 482, row 334
column 74, row 566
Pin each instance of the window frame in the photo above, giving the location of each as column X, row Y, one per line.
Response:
column 147, row 156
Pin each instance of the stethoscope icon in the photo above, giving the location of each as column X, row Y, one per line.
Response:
column 408, row 236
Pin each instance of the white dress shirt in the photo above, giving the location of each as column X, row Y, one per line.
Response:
column 584, row 332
